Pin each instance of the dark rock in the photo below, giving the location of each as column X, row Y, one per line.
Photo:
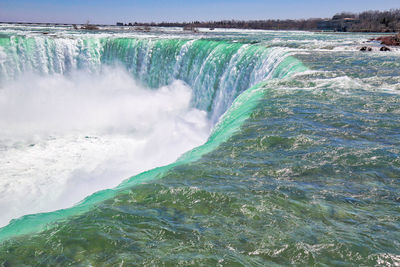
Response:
column 384, row 48
column 393, row 40
column 365, row 48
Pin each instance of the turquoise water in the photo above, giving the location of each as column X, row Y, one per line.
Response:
column 300, row 167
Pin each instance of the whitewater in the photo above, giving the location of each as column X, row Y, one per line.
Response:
column 79, row 135
column 225, row 146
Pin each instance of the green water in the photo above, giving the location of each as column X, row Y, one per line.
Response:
column 302, row 169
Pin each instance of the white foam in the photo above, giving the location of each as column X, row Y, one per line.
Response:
column 63, row 138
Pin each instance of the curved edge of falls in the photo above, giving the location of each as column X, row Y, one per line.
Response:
column 243, row 103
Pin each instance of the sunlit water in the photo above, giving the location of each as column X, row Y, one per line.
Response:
column 297, row 158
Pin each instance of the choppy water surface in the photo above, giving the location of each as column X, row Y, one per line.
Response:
column 292, row 148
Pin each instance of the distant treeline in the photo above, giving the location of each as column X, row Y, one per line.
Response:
column 368, row 21
column 309, row 24
column 376, row 21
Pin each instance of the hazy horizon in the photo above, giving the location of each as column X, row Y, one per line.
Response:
column 110, row 12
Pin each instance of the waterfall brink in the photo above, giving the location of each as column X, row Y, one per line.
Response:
column 217, row 71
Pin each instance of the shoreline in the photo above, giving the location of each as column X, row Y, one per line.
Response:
column 135, row 27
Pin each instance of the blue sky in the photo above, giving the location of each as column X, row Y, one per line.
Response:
column 109, row 12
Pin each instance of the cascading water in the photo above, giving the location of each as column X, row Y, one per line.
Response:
column 81, row 95
column 217, row 71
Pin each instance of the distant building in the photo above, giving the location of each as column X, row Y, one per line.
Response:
column 336, row 25
column 120, row 24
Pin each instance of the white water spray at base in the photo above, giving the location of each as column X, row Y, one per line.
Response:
column 65, row 137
